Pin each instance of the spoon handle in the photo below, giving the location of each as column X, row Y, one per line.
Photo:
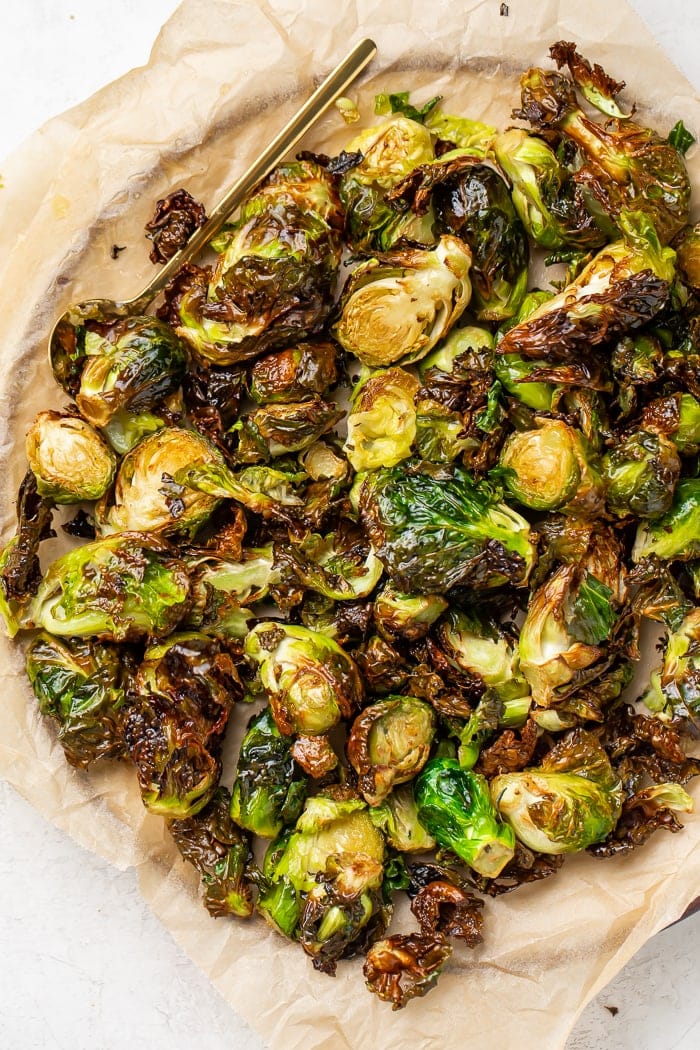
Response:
column 326, row 93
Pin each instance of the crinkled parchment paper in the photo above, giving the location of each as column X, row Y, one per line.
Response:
column 223, row 76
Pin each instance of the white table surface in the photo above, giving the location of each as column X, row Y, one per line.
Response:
column 84, row 965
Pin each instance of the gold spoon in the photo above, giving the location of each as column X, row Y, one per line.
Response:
column 63, row 334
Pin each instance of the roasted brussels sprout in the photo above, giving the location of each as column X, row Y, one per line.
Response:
column 675, row 416
column 323, row 879
column 273, row 280
column 145, row 499
column 624, row 166
column 129, row 366
column 454, row 805
column 622, row 288
column 82, row 685
column 220, row 852
column 68, row 458
column 311, row 682
column 388, row 152
column 675, row 688
column 675, row 536
column 481, row 648
column 346, row 906
column 382, row 420
column 340, row 565
column 688, row 257
column 407, row 616
column 268, row 792
column 436, row 528
column 276, row 430
column 472, row 202
column 397, row 817
column 567, row 619
column 119, row 589
column 551, row 468
column 640, row 475
column 294, row 374
column 175, row 723
column 397, row 307
column 389, row 743
column 547, row 199
column 570, row 801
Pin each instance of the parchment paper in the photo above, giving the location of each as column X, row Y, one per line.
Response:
column 222, row 78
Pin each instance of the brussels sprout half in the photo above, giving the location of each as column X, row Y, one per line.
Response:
column 120, row 589
column 382, row 420
column 331, row 837
column 68, row 458
column 398, row 307
column 454, row 806
column 146, row 498
column 135, row 365
column 311, row 682
column 389, row 743
column 571, row 801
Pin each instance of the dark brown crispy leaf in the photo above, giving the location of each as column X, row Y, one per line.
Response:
column 665, row 740
column 315, row 755
column 635, row 826
column 565, row 54
column 510, row 752
column 414, row 958
column 443, row 908
column 21, row 573
column 556, row 336
column 176, row 218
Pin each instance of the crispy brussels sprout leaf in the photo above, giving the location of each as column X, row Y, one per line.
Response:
column 20, row 571
column 82, row 685
column 436, row 528
column 414, row 957
column 268, row 792
column 472, row 202
column 175, row 723
column 220, row 852
column 454, row 805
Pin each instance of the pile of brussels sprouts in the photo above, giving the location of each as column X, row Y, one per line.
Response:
column 435, row 612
